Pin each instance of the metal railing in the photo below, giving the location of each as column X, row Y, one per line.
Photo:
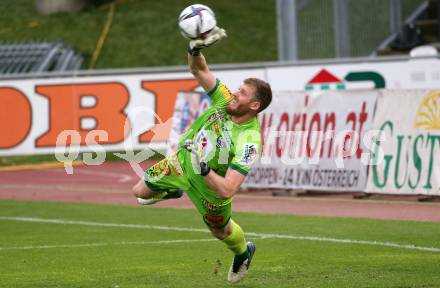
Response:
column 37, row 57
column 410, row 19
column 339, row 28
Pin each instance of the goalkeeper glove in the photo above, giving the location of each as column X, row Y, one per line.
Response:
column 212, row 37
column 197, row 151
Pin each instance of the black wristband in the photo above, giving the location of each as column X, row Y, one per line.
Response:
column 194, row 51
column 204, row 169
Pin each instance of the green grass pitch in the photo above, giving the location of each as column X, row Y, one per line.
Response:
column 84, row 245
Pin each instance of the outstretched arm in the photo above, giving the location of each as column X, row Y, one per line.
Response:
column 197, row 62
column 199, row 68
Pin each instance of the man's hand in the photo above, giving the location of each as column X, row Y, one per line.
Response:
column 212, row 37
column 197, row 151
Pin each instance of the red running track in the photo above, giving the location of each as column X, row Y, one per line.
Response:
column 110, row 183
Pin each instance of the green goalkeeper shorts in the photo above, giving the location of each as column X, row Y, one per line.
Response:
column 168, row 176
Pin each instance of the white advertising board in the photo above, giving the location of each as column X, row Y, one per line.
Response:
column 34, row 112
column 415, row 73
column 409, row 152
column 315, row 141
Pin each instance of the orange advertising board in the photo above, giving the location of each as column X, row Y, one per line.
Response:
column 33, row 114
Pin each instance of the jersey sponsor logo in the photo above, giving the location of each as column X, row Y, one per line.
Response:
column 212, row 207
column 217, row 130
column 249, row 154
column 220, row 142
column 204, row 141
column 214, row 220
column 207, row 141
column 226, row 92
column 212, row 117
column 220, row 116
column 226, row 134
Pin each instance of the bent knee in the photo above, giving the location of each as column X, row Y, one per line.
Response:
column 219, row 233
column 222, row 233
column 140, row 190
column 135, row 190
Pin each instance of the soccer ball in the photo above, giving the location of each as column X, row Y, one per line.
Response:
column 196, row 21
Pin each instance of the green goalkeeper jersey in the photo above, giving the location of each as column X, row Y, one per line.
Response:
column 225, row 144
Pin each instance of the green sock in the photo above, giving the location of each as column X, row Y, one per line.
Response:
column 236, row 242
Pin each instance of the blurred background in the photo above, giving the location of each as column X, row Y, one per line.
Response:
column 143, row 33
column 296, row 45
column 72, row 71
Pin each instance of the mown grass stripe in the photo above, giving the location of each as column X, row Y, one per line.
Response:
column 251, row 234
column 107, row 244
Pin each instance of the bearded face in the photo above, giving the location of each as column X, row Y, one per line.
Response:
column 241, row 103
column 236, row 108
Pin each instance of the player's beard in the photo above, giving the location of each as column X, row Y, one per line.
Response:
column 240, row 110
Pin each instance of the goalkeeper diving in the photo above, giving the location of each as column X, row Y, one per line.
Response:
column 214, row 156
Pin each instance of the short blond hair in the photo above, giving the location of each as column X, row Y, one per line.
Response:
column 263, row 92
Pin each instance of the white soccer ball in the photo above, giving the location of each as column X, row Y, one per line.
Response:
column 196, row 21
